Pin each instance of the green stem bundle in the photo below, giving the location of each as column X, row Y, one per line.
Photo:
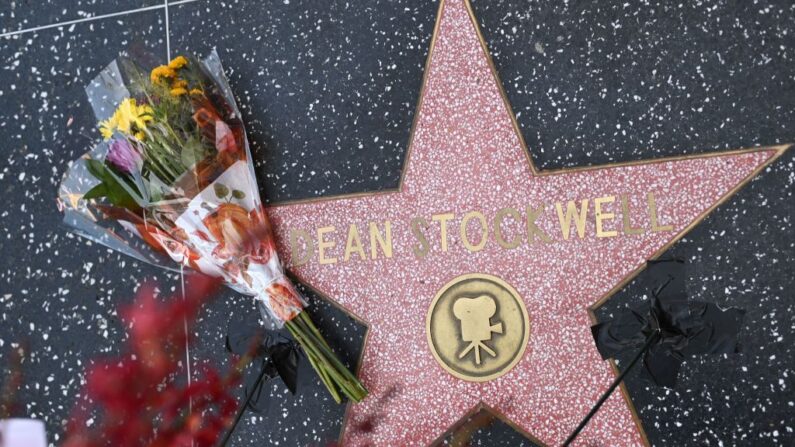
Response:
column 334, row 375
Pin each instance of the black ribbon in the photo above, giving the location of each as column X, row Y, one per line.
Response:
column 685, row 327
column 274, row 355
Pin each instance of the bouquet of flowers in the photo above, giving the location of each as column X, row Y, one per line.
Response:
column 172, row 184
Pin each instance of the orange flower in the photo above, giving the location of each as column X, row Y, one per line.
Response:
column 178, row 62
column 284, row 301
column 163, row 71
column 226, row 136
column 178, row 91
column 240, row 234
column 230, row 225
column 205, row 118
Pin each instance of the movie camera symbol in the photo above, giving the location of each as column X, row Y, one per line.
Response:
column 476, row 328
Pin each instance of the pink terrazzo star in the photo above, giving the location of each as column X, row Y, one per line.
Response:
column 466, row 155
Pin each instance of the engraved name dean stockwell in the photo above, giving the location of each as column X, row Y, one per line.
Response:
column 610, row 216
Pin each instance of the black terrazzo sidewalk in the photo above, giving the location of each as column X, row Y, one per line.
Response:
column 328, row 90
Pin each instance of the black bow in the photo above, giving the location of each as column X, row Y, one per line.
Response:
column 681, row 327
column 665, row 332
column 274, row 353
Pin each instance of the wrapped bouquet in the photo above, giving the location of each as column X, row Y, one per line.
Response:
column 172, row 184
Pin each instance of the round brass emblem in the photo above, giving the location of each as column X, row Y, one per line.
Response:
column 477, row 327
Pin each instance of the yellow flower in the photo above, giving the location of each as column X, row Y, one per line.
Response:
column 128, row 118
column 160, row 72
column 180, row 83
column 130, row 114
column 140, row 136
column 107, row 127
column 179, row 91
column 122, row 117
column 196, row 91
column 106, row 132
column 178, row 62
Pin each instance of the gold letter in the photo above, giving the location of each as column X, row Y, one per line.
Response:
column 442, row 219
column 424, row 247
column 354, row 244
column 295, row 245
column 384, row 242
column 625, row 216
column 655, row 221
column 602, row 216
column 322, row 245
column 532, row 228
column 498, row 218
column 572, row 211
column 485, row 234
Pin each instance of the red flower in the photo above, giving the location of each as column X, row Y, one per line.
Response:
column 136, row 396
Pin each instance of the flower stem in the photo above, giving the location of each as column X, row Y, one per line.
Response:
column 331, row 377
column 333, row 373
column 313, row 360
column 333, row 366
column 353, row 386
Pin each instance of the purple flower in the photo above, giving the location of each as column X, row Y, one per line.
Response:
column 123, row 156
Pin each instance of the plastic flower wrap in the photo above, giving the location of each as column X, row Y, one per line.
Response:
column 172, row 183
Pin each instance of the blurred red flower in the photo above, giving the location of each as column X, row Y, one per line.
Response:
column 137, row 398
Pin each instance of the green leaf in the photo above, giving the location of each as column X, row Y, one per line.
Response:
column 238, row 194
column 221, row 190
column 191, row 152
column 119, row 189
column 155, row 191
column 120, row 197
column 96, row 168
column 96, row 192
column 109, row 186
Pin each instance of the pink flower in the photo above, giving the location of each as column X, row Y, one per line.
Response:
column 124, row 157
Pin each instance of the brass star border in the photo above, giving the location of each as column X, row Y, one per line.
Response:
column 467, row 420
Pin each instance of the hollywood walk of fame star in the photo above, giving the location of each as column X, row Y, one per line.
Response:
column 466, row 154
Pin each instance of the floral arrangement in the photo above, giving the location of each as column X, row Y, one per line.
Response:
column 172, row 184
